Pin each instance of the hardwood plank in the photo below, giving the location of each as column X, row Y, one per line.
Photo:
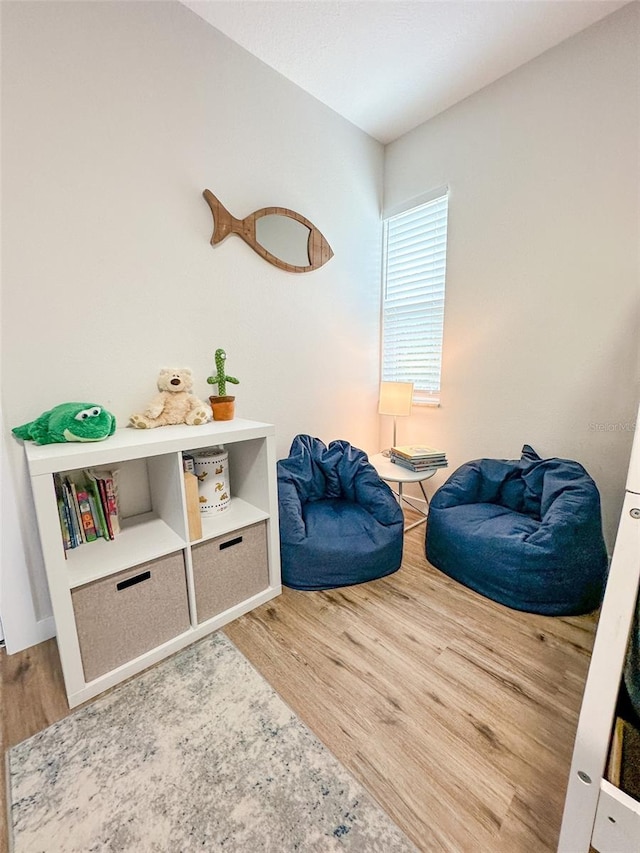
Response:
column 32, row 697
column 457, row 714
column 33, row 691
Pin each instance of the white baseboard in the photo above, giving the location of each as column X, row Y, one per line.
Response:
column 31, row 635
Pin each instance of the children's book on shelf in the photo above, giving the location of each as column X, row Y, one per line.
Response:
column 76, row 509
column 63, row 512
column 94, row 490
column 87, row 506
column 86, row 516
column 108, row 484
column 72, row 513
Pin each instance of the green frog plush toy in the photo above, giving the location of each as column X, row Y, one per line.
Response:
column 69, row 422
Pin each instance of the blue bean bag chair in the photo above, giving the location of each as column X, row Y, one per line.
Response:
column 340, row 524
column 526, row 533
column 632, row 663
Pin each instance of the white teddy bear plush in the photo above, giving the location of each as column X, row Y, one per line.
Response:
column 175, row 404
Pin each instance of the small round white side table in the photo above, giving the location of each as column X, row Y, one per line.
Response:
column 392, row 473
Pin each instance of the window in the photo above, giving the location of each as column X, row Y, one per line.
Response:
column 414, row 264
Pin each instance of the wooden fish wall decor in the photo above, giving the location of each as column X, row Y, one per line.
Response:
column 281, row 236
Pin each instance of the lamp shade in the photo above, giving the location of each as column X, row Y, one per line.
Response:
column 395, row 398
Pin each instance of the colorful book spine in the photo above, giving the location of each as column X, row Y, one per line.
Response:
column 111, row 490
column 419, row 461
column 105, row 505
column 76, row 509
column 63, row 514
column 87, row 504
column 95, row 513
column 108, row 483
column 94, row 491
column 64, row 525
column 74, row 527
column 423, row 466
column 86, row 516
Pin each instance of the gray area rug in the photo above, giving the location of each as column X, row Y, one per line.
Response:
column 198, row 753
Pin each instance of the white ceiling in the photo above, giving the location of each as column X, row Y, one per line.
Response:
column 389, row 65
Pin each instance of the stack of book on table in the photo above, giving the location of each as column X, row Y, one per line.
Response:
column 418, row 457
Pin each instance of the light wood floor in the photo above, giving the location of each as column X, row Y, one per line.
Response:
column 457, row 714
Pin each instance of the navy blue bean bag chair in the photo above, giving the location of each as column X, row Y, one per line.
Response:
column 526, row 533
column 632, row 663
column 340, row 524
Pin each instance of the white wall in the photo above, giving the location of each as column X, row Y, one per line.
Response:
column 115, row 117
column 20, row 623
column 541, row 319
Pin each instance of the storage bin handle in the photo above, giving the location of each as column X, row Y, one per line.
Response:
column 143, row 576
column 231, row 542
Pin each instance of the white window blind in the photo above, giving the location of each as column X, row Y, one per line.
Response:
column 414, row 266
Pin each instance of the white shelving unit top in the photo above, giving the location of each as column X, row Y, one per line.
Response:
column 130, row 443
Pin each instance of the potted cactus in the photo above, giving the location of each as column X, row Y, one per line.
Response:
column 222, row 405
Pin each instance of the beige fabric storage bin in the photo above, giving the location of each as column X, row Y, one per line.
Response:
column 230, row 569
column 124, row 615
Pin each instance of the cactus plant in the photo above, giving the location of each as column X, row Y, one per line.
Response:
column 220, row 378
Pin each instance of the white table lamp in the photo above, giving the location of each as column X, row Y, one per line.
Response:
column 395, row 399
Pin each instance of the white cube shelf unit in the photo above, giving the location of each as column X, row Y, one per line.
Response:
column 162, row 597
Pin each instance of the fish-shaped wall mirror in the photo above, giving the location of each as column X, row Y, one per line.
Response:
column 281, row 236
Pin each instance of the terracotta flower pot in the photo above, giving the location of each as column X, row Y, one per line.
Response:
column 223, row 408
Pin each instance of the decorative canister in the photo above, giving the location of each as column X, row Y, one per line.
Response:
column 212, row 471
